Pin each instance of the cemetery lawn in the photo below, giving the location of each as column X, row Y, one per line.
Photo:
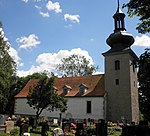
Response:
column 116, row 133
column 35, row 134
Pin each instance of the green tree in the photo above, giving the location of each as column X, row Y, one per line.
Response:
column 7, row 72
column 144, row 83
column 75, row 65
column 141, row 9
column 43, row 96
column 18, row 86
column 22, row 81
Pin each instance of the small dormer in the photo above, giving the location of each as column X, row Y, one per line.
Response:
column 66, row 89
column 55, row 89
column 83, row 89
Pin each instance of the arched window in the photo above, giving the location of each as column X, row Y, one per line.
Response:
column 117, row 65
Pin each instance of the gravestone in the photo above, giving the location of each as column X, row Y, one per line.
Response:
column 66, row 126
column 2, row 120
column 23, row 128
column 101, row 128
column 80, row 130
column 58, row 132
column 55, row 121
column 3, row 128
column 9, row 126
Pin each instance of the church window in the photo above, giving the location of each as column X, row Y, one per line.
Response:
column 117, row 65
column 89, row 107
column 117, row 81
column 135, row 84
column 134, row 66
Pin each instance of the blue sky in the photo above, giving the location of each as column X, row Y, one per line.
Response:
column 42, row 32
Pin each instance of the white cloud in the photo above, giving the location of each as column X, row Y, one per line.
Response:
column 44, row 14
column 14, row 54
column 92, row 40
column 68, row 26
column 37, row 7
column 28, row 1
column 49, row 61
column 2, row 33
column 25, row 1
column 52, row 59
column 28, row 42
column 72, row 18
column 53, row 7
column 38, row 0
column 143, row 40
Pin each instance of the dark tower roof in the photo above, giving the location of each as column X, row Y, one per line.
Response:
column 119, row 39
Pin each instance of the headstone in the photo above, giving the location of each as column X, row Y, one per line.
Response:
column 9, row 126
column 2, row 119
column 31, row 122
column 101, row 128
column 25, row 127
column 3, row 128
column 149, row 124
column 66, row 126
column 58, row 132
column 2, row 122
column 26, row 134
column 80, row 130
column 55, row 121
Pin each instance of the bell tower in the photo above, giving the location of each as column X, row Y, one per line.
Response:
column 121, row 74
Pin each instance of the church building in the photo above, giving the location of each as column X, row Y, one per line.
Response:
column 112, row 96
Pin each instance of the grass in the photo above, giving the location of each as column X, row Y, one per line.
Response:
column 35, row 134
column 116, row 133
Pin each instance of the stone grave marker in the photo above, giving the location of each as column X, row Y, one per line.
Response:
column 2, row 119
column 66, row 126
column 55, row 121
column 58, row 132
column 9, row 126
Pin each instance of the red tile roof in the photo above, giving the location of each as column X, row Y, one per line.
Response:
column 94, row 83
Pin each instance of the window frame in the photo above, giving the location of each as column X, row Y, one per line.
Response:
column 88, row 107
column 117, row 81
column 117, row 65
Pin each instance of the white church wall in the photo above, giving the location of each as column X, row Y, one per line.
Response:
column 76, row 108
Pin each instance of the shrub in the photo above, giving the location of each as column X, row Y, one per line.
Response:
column 3, row 134
column 134, row 130
column 14, row 132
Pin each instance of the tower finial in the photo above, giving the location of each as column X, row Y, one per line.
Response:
column 118, row 6
column 119, row 19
